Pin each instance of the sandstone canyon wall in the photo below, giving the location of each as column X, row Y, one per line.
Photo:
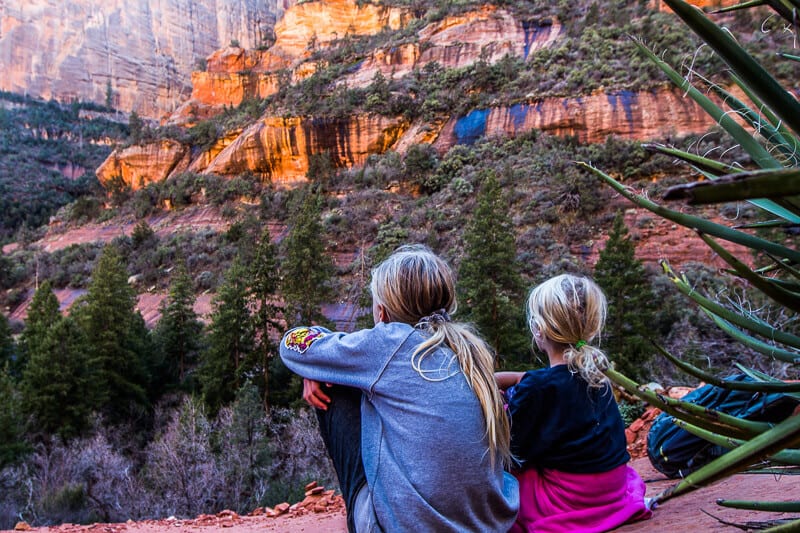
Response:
column 279, row 148
column 234, row 74
column 642, row 116
column 145, row 49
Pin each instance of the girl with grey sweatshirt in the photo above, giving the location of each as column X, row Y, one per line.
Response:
column 413, row 421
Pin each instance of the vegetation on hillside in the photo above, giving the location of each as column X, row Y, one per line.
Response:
column 42, row 144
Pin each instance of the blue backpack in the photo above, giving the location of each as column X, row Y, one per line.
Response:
column 676, row 453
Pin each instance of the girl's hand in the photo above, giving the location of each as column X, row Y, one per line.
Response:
column 314, row 395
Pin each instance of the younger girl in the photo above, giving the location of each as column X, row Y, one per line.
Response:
column 566, row 430
column 414, row 401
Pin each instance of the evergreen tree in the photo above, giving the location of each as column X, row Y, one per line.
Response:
column 8, row 347
column 143, row 234
column 268, row 322
column 55, row 382
column 391, row 235
column 6, row 281
column 624, row 280
column 42, row 315
column 179, row 332
column 114, row 331
column 306, row 268
column 320, row 169
column 109, row 96
column 489, row 281
column 12, row 442
column 230, row 342
column 136, row 127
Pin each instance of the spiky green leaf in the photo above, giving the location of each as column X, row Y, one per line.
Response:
column 758, row 386
column 752, row 73
column 788, row 456
column 698, row 223
column 784, row 435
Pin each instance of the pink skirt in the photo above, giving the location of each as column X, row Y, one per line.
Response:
column 556, row 502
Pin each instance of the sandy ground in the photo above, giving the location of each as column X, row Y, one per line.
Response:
column 691, row 512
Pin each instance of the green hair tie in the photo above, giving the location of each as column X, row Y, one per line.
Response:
column 580, row 344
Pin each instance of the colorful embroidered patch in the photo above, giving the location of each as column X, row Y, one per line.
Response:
column 301, row 339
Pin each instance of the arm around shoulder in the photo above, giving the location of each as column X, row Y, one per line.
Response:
column 505, row 380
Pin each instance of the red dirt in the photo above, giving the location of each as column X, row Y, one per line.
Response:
column 684, row 513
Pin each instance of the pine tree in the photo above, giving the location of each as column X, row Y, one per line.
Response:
column 624, row 280
column 179, row 332
column 8, row 348
column 116, row 349
column 230, row 342
column 55, row 382
column 391, row 235
column 306, row 268
column 268, row 321
column 12, row 442
column 136, row 126
column 490, row 285
column 42, row 315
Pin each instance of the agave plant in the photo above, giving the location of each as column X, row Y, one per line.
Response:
column 766, row 124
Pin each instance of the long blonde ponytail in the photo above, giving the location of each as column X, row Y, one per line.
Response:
column 477, row 363
column 418, row 288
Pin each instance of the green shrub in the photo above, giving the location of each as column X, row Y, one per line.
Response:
column 631, row 411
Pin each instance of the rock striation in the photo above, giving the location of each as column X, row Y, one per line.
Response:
column 234, row 74
column 142, row 50
column 487, row 34
column 277, row 149
column 138, row 165
column 592, row 118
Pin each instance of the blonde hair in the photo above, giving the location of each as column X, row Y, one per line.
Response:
column 571, row 310
column 417, row 287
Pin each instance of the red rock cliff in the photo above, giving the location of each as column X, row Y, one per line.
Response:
column 630, row 115
column 138, row 165
column 145, row 49
column 233, row 74
column 279, row 148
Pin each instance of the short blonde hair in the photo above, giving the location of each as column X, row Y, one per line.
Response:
column 571, row 310
column 415, row 284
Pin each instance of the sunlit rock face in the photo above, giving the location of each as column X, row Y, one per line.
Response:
column 313, row 24
column 137, row 53
column 487, row 34
column 279, row 148
column 235, row 74
column 137, row 166
column 702, row 4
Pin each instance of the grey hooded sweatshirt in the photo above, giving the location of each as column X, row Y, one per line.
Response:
column 424, row 444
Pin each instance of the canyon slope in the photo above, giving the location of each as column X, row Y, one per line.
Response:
column 138, row 54
column 278, row 148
